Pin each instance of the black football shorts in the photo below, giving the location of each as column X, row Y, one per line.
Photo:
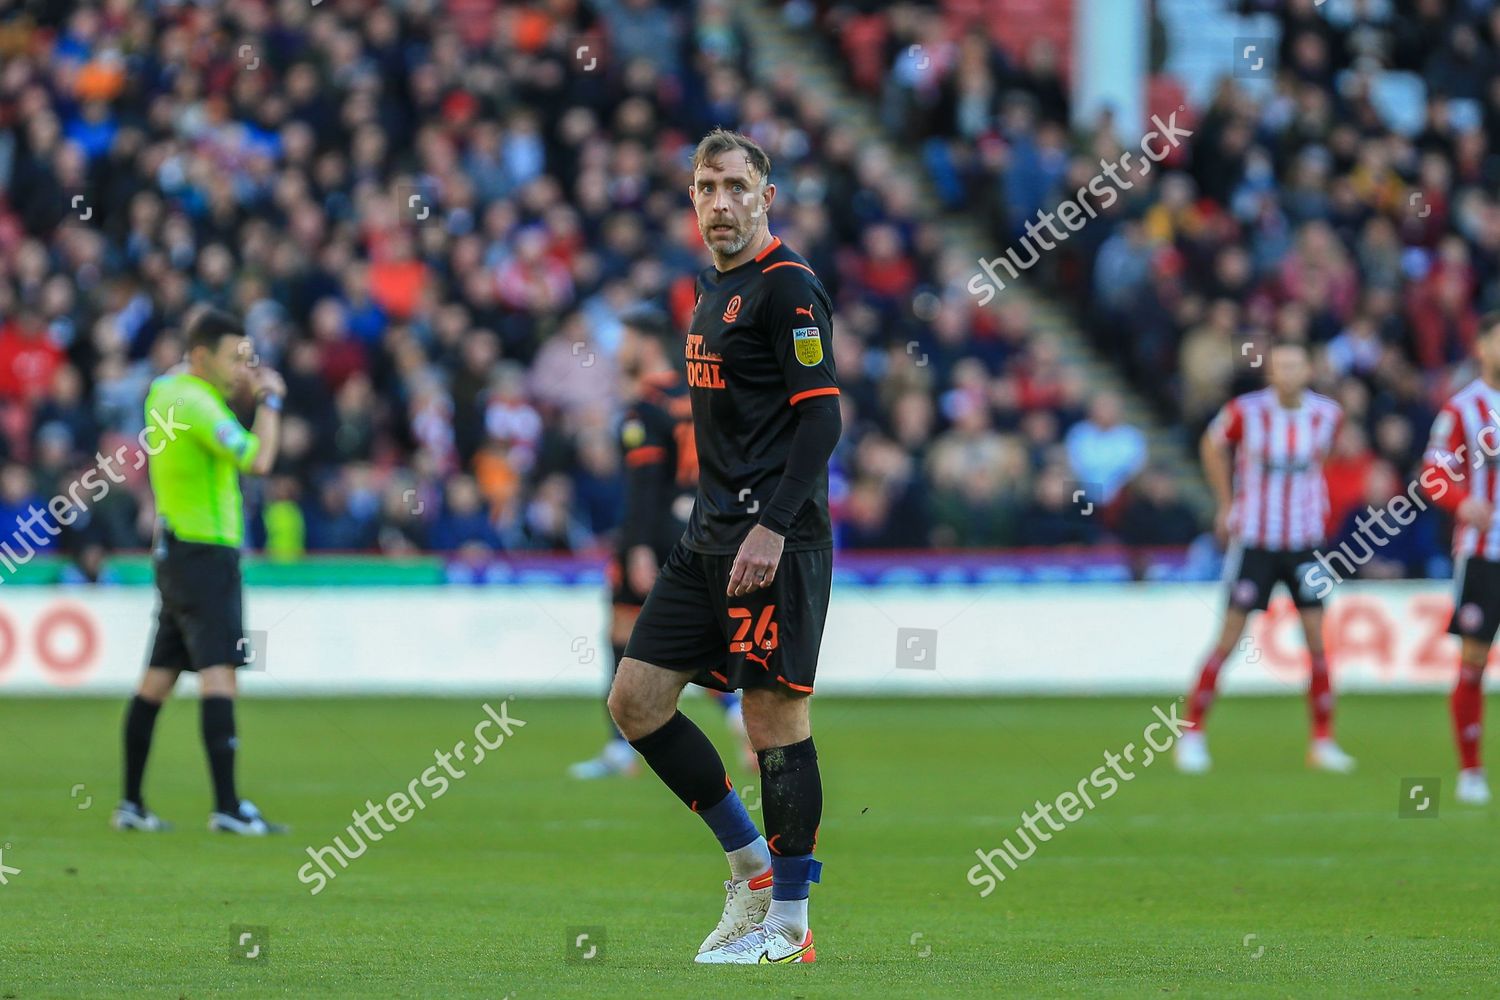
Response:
column 621, row 593
column 1253, row 573
column 1476, row 609
column 199, row 622
column 768, row 638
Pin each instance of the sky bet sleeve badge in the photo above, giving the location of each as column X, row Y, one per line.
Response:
column 809, row 345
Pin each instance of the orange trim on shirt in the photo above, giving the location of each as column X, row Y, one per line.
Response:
column 788, row 263
column 775, row 242
column 827, row 390
column 645, row 455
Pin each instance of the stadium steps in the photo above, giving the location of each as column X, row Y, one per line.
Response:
column 783, row 52
column 1202, row 44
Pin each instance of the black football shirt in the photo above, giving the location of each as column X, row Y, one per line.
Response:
column 761, row 342
column 662, row 465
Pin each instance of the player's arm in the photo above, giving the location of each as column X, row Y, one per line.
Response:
column 1443, row 470
column 647, row 446
column 1216, row 452
column 804, row 344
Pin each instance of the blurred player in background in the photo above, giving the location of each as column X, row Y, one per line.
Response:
column 1272, row 502
column 661, row 478
column 741, row 601
column 1459, row 471
column 200, row 526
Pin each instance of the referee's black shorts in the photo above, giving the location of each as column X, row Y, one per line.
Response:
column 199, row 622
column 768, row 638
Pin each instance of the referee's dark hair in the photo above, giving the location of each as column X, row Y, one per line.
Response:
column 1489, row 322
column 208, row 327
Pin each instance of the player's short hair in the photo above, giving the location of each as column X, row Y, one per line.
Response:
column 209, row 326
column 721, row 141
column 650, row 321
column 1489, row 322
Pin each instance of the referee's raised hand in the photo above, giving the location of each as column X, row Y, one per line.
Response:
column 268, row 383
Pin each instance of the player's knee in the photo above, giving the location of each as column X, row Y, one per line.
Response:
column 619, row 706
column 156, row 686
column 773, row 719
column 217, row 682
column 634, row 713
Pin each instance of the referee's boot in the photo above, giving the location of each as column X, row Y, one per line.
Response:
column 134, row 816
column 248, row 822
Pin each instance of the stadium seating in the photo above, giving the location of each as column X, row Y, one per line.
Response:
column 438, row 263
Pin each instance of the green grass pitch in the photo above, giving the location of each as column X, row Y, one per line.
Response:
column 1260, row 879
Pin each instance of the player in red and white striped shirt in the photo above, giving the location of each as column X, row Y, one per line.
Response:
column 1263, row 456
column 1462, row 475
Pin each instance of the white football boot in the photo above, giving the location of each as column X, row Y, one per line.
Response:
column 761, row 946
column 745, row 905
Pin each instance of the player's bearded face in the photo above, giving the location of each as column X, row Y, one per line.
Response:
column 730, row 206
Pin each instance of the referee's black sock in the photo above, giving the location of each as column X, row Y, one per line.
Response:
column 219, row 741
column 140, row 723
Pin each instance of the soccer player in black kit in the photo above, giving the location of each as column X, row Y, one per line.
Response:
column 661, row 479
column 740, row 602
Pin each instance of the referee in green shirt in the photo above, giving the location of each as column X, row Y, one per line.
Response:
column 200, row 526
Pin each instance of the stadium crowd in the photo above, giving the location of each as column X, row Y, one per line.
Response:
column 1349, row 203
column 433, row 219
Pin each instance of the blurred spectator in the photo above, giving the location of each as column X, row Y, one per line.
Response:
column 1155, row 514
column 463, row 519
column 1055, row 517
column 1104, row 452
column 1347, row 472
column 1409, row 551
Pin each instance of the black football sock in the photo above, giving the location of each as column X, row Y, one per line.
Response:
column 220, row 743
column 686, row 762
column 792, row 803
column 140, row 723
